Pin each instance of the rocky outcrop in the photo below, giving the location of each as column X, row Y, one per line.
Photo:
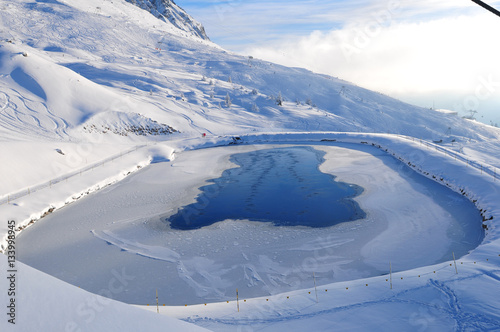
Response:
column 169, row 11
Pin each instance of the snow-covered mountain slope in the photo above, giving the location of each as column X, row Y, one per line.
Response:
column 86, row 62
column 84, row 83
column 169, row 11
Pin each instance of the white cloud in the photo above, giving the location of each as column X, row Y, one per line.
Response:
column 235, row 22
column 448, row 55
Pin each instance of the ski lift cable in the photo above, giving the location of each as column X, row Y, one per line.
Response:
column 488, row 7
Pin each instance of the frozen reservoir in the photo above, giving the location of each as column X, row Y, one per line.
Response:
column 262, row 218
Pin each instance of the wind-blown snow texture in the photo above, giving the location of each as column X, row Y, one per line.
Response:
column 91, row 90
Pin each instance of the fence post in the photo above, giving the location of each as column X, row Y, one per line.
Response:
column 390, row 273
column 157, row 308
column 315, row 289
column 454, row 261
column 237, row 300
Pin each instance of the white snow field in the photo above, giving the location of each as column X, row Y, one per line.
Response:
column 111, row 120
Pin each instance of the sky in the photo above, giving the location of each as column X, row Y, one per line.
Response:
column 432, row 53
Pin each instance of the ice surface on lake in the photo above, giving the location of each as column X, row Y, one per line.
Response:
column 281, row 185
column 410, row 221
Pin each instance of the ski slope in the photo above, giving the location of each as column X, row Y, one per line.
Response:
column 93, row 91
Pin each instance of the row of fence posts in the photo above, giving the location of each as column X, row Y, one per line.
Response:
column 9, row 199
column 315, row 287
column 466, row 160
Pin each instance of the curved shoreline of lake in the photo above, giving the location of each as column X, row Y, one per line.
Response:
column 122, row 227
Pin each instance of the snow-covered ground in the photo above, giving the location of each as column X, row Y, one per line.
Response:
column 98, row 92
column 44, row 303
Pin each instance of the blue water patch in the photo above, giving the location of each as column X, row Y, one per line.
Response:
column 280, row 185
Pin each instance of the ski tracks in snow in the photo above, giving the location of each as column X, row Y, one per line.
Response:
column 445, row 306
column 464, row 321
column 4, row 101
column 18, row 113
